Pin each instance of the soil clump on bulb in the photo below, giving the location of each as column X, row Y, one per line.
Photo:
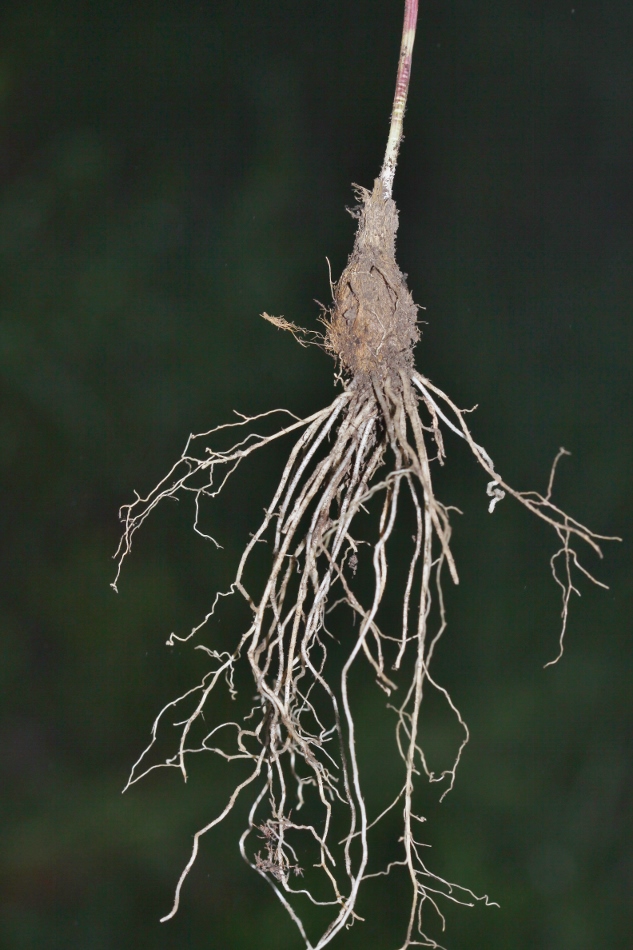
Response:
column 373, row 320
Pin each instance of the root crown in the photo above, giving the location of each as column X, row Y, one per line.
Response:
column 373, row 324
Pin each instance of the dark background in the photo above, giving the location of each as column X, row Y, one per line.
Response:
column 169, row 170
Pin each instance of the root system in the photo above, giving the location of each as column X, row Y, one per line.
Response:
column 355, row 463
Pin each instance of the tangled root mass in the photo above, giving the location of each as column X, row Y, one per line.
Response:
column 366, row 454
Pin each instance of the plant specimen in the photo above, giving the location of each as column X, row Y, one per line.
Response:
column 354, row 467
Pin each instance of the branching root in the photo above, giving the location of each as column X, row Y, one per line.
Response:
column 354, row 464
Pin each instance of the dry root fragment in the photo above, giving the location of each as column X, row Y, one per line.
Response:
column 373, row 443
column 298, row 332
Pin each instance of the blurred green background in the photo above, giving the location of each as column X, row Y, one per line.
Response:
column 168, row 171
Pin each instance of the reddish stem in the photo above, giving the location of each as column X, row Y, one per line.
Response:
column 400, row 99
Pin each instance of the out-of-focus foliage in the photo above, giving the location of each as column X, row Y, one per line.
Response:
column 170, row 170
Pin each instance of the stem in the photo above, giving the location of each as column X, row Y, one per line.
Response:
column 400, row 99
